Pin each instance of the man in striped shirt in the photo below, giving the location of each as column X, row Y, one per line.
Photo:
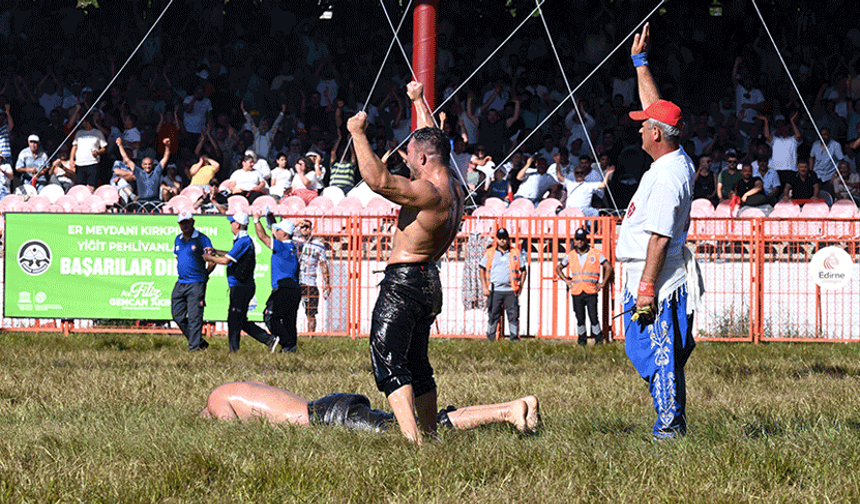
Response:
column 313, row 257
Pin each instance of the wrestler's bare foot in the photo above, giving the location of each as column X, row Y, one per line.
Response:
column 517, row 414
column 533, row 415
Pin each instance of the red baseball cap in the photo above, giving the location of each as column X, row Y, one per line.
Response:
column 661, row 110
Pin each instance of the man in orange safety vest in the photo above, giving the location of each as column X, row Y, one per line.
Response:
column 503, row 276
column 584, row 266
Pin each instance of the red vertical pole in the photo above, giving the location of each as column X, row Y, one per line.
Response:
column 424, row 21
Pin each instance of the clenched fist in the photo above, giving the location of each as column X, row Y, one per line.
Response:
column 357, row 123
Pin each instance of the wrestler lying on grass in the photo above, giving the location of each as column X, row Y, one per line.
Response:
column 257, row 400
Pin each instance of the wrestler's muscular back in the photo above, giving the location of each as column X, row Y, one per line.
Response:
column 425, row 234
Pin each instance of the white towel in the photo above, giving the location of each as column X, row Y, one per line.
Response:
column 695, row 282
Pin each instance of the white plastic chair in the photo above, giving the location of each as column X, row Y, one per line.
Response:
column 52, row 192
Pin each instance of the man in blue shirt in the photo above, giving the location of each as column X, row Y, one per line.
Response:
column 32, row 162
column 241, row 261
column 147, row 175
column 189, row 293
column 282, row 307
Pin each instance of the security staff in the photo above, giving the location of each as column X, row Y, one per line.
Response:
column 584, row 266
column 503, row 279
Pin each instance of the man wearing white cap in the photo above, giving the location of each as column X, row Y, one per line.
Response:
column 658, row 334
column 32, row 162
column 282, row 307
column 189, row 293
column 241, row 261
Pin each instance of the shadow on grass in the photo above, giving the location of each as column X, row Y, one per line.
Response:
column 616, row 427
column 763, row 428
column 819, row 368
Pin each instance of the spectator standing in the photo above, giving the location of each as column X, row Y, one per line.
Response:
column 504, row 274
column 342, row 172
column 7, row 124
column 198, row 113
column 578, row 123
column 283, row 304
column 585, row 265
column 262, row 134
column 783, row 145
column 820, row 157
column 88, row 147
column 189, row 294
column 241, row 260
column 313, row 259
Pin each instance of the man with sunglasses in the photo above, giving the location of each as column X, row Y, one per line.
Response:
column 728, row 178
column 312, row 258
column 580, row 193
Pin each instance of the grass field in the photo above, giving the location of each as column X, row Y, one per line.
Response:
column 114, row 418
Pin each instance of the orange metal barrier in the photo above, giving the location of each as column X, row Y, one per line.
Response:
column 755, row 270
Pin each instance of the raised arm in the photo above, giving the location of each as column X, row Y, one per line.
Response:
column 125, row 159
column 521, row 175
column 606, row 177
column 400, row 190
column 510, row 122
column 415, row 91
column 166, row 156
column 10, row 123
column 470, row 110
column 648, row 92
column 795, row 130
column 767, row 133
column 261, row 231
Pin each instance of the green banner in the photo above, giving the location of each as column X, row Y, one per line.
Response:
column 110, row 266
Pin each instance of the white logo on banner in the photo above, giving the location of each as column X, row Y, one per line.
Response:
column 831, row 268
column 34, row 257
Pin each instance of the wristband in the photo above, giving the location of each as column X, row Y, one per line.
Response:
column 640, row 59
column 256, row 220
column 646, row 289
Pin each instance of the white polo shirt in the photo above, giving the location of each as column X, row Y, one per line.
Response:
column 660, row 206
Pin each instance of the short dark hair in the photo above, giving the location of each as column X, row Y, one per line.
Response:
column 433, row 142
column 562, row 151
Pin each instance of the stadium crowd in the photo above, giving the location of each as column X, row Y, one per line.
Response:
column 263, row 112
